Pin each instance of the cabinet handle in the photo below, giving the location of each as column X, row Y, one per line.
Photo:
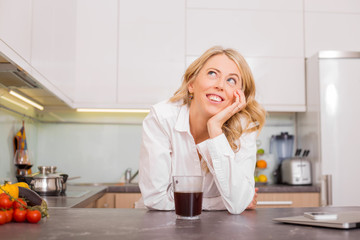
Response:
column 274, row 203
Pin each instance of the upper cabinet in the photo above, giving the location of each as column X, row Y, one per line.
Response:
column 253, row 33
column 96, row 53
column 54, row 46
column 331, row 25
column 151, row 47
column 15, row 30
column 269, row 34
column 125, row 53
column 15, row 26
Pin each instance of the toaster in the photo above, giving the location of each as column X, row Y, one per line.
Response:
column 296, row 171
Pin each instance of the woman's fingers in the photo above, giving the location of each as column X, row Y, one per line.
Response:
column 253, row 203
column 216, row 122
column 239, row 103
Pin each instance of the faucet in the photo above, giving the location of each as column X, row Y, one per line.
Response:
column 128, row 176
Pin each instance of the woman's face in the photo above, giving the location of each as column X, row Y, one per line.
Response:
column 214, row 86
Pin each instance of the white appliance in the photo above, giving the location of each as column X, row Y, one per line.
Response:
column 296, row 171
column 330, row 127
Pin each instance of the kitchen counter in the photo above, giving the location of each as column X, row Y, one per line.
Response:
column 278, row 188
column 79, row 196
column 80, row 223
column 76, row 197
column 281, row 188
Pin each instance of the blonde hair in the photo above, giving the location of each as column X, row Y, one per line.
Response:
column 252, row 113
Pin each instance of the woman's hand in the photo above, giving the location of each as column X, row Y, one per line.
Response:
column 253, row 203
column 216, row 122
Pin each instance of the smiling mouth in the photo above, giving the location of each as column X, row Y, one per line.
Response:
column 214, row 98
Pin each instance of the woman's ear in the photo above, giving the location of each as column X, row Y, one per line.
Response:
column 190, row 88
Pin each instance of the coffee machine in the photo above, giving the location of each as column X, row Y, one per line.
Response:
column 281, row 145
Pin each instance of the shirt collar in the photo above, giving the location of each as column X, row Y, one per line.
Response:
column 182, row 122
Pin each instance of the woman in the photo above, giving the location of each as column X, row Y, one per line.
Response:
column 209, row 127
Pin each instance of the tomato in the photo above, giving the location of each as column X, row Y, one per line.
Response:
column 16, row 204
column 3, row 195
column 5, row 202
column 9, row 214
column 33, row 216
column 19, row 215
column 3, row 217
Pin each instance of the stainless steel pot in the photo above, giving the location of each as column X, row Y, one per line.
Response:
column 46, row 183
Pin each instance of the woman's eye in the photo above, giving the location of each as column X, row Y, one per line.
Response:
column 212, row 73
column 232, row 81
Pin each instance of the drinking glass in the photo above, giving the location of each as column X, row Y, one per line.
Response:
column 188, row 194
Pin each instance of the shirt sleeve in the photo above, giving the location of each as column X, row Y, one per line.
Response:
column 233, row 172
column 155, row 165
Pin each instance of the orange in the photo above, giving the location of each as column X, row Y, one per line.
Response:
column 261, row 164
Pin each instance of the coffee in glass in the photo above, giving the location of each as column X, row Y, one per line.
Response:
column 188, row 192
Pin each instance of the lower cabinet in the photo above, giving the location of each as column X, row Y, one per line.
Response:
column 287, row 200
column 117, row 200
column 265, row 200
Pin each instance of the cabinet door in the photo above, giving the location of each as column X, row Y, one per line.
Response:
column 280, row 83
column 286, row 200
column 253, row 33
column 96, row 53
column 331, row 31
column 15, row 29
column 106, row 201
column 54, row 46
column 271, row 41
column 15, row 26
column 126, row 200
column 246, row 4
column 151, row 51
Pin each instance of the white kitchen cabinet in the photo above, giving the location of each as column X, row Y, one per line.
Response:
column 253, row 33
column 15, row 28
column 54, row 46
column 280, row 83
column 331, row 31
column 332, row 6
column 96, row 53
column 270, row 40
column 151, row 51
column 246, row 4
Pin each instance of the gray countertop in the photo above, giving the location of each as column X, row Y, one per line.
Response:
column 278, row 188
column 81, row 223
column 76, row 197
column 79, row 196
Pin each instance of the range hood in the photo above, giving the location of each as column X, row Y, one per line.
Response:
column 13, row 77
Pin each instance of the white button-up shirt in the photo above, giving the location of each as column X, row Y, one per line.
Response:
column 168, row 149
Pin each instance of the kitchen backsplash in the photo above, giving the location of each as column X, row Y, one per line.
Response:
column 95, row 152
column 10, row 124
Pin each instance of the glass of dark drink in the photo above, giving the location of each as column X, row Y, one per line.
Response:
column 188, row 194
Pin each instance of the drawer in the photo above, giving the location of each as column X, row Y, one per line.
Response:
column 284, row 200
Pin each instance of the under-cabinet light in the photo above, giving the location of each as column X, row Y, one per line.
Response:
column 14, row 102
column 117, row 110
column 15, row 94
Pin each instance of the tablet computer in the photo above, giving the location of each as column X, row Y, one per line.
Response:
column 344, row 220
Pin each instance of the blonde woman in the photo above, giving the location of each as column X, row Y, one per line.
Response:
column 209, row 127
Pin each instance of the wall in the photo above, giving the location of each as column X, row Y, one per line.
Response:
column 10, row 124
column 95, row 152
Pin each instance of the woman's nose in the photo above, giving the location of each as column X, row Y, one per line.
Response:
column 219, row 83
